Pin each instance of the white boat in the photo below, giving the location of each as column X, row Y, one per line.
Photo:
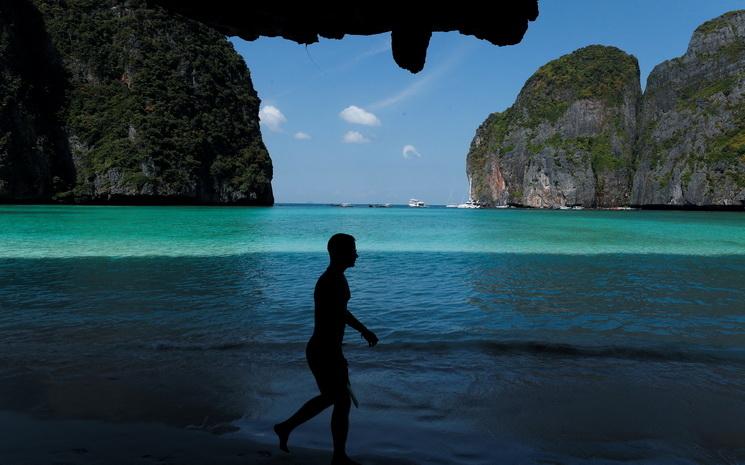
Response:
column 450, row 199
column 470, row 203
column 416, row 203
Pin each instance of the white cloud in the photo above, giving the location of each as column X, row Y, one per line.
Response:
column 410, row 151
column 272, row 118
column 301, row 135
column 356, row 115
column 354, row 137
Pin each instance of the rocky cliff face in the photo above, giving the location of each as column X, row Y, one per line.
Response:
column 34, row 160
column 578, row 134
column 692, row 128
column 411, row 23
column 153, row 109
column 567, row 140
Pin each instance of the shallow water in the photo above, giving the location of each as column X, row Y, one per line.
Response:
column 515, row 336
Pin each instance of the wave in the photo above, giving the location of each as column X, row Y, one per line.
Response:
column 494, row 348
column 566, row 350
column 221, row 346
column 185, row 346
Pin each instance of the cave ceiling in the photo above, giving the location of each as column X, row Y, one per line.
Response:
column 411, row 26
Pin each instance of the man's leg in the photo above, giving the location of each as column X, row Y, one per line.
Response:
column 309, row 410
column 340, row 427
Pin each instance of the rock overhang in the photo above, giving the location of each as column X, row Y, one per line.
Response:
column 411, row 25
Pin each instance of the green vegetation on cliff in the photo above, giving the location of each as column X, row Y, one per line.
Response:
column 491, row 136
column 691, row 146
column 155, row 107
column 580, row 131
column 573, row 124
column 729, row 147
column 595, row 72
column 33, row 156
column 717, row 23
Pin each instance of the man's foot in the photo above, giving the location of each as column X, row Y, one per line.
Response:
column 283, row 435
column 342, row 460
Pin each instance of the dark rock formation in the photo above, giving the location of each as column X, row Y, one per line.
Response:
column 154, row 109
column 692, row 127
column 411, row 26
column 34, row 160
column 567, row 140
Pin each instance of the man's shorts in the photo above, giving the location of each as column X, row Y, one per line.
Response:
column 330, row 370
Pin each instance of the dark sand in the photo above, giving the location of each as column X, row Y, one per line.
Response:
column 28, row 440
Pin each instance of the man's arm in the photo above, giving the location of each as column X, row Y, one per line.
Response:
column 369, row 336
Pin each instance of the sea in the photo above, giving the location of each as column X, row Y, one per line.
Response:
column 507, row 336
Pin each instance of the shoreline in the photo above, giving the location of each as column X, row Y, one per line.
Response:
column 36, row 440
column 186, row 203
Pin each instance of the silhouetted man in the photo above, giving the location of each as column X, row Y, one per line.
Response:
column 324, row 354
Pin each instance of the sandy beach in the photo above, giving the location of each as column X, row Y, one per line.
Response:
column 28, row 440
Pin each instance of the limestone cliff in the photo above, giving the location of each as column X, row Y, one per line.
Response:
column 567, row 140
column 579, row 133
column 692, row 127
column 153, row 109
column 34, row 160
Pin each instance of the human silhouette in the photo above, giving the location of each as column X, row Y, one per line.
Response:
column 324, row 353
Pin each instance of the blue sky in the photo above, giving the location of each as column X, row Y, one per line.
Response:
column 343, row 123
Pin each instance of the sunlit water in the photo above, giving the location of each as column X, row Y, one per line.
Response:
column 507, row 336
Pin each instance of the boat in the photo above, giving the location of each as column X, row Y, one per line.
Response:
column 450, row 199
column 379, row 205
column 416, row 203
column 470, row 203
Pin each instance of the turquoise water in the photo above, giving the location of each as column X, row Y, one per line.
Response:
column 509, row 336
column 111, row 231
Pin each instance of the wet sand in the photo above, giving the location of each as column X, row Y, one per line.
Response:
column 28, row 440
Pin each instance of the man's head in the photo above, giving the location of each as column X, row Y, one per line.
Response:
column 342, row 250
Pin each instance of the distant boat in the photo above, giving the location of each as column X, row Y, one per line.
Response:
column 379, row 205
column 470, row 203
column 416, row 203
column 345, row 205
column 450, row 199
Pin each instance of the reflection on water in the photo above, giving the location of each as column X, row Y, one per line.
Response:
column 485, row 356
column 500, row 347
